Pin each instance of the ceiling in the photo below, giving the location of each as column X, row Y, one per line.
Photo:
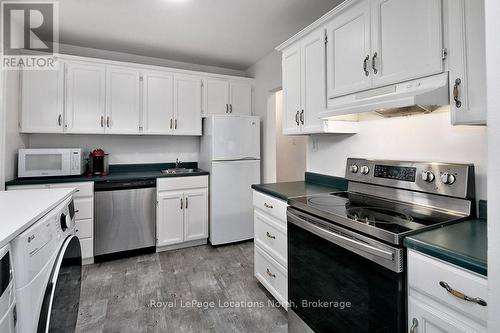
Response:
column 226, row 33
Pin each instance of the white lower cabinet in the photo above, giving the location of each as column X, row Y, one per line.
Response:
column 270, row 238
column 84, row 213
column 432, row 308
column 182, row 212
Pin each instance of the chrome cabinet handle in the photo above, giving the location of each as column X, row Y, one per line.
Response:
column 186, row 203
column 414, row 325
column 374, row 65
column 107, row 121
column 458, row 103
column 461, row 295
column 267, row 205
column 182, row 204
column 230, row 108
column 171, row 123
column 59, row 120
column 270, row 274
column 270, row 236
column 102, row 121
column 297, row 118
column 175, row 126
column 227, row 108
column 302, row 116
column 365, row 65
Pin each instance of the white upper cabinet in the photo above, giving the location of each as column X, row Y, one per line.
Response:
column 122, row 101
column 85, row 96
column 42, row 109
column 240, row 98
column 466, row 49
column 216, row 96
column 187, row 105
column 304, row 89
column 291, row 90
column 348, row 51
column 226, row 97
column 158, row 103
column 313, row 82
column 407, row 40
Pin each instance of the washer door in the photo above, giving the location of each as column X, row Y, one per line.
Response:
column 60, row 306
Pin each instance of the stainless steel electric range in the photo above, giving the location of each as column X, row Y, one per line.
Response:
column 346, row 261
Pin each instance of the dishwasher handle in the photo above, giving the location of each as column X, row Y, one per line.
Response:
column 124, row 185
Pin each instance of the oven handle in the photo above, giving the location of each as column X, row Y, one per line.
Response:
column 339, row 239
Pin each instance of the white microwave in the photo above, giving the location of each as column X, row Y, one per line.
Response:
column 40, row 162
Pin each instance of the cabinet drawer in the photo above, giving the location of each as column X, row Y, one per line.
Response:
column 181, row 183
column 270, row 235
column 84, row 228
column 426, row 273
column 83, row 208
column 270, row 205
column 84, row 189
column 271, row 274
column 87, row 245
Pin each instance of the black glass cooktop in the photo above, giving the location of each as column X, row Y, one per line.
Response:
column 393, row 217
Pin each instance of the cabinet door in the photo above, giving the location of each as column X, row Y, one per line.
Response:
column 216, row 96
column 291, row 90
column 196, row 214
column 170, row 218
column 42, row 100
column 466, row 62
column 430, row 320
column 122, row 101
column 158, row 103
column 313, row 82
column 187, row 105
column 348, row 51
column 240, row 102
column 85, row 89
column 406, row 40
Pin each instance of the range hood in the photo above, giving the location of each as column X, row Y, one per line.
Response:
column 418, row 96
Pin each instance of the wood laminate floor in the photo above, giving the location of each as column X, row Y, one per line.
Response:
column 200, row 289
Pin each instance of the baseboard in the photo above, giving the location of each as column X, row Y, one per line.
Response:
column 184, row 245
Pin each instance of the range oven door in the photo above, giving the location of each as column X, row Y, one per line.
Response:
column 61, row 300
column 340, row 281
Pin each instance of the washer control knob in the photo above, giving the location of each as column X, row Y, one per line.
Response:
column 353, row 168
column 447, row 178
column 428, row 176
column 365, row 170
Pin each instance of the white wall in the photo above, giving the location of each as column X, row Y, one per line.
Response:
column 126, row 149
column 422, row 137
column 290, row 150
column 2, row 130
column 13, row 140
column 492, row 10
column 267, row 75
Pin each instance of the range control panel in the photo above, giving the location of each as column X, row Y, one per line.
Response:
column 448, row 179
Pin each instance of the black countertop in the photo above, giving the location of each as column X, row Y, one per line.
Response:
column 313, row 184
column 118, row 173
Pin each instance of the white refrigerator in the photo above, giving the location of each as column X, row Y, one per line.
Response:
column 230, row 151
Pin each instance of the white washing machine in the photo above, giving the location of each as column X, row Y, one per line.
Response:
column 7, row 292
column 47, row 263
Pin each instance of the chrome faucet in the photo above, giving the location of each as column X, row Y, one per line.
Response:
column 177, row 163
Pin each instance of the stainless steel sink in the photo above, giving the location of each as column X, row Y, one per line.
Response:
column 178, row 170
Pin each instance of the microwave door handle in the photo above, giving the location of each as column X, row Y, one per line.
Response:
column 357, row 246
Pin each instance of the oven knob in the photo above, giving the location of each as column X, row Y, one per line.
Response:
column 428, row 176
column 365, row 170
column 447, row 178
column 353, row 168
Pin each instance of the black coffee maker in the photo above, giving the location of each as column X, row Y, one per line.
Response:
column 98, row 163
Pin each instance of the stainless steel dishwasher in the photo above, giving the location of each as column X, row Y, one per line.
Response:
column 125, row 216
